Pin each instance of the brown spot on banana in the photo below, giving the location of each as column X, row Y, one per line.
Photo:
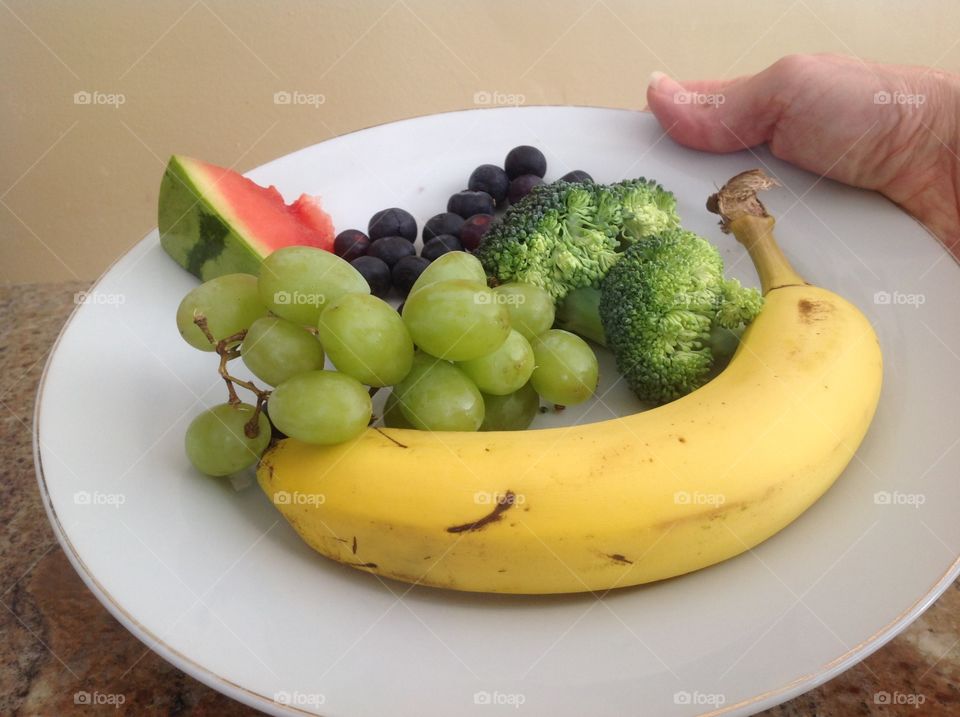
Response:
column 721, row 512
column 811, row 311
column 504, row 503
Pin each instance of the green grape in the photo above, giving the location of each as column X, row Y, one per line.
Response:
column 230, row 304
column 566, row 372
column 366, row 338
column 322, row 407
column 456, row 320
column 531, row 308
column 513, row 412
column 276, row 349
column 452, row 265
column 217, row 443
column 503, row 371
column 437, row 396
column 296, row 282
column 392, row 415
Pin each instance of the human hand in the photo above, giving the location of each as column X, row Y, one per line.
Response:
column 893, row 129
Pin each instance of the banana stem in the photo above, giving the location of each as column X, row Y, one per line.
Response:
column 742, row 213
column 756, row 234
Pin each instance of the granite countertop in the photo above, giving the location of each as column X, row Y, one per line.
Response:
column 58, row 640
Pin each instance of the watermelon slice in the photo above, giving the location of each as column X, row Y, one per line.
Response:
column 214, row 221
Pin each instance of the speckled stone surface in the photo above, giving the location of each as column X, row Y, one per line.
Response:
column 58, row 641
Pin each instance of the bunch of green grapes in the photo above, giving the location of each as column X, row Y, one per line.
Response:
column 460, row 357
column 485, row 357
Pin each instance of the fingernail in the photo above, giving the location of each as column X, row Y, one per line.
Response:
column 655, row 78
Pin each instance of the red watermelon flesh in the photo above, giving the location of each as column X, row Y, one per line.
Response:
column 310, row 212
column 215, row 221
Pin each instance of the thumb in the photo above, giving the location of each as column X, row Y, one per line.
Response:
column 715, row 115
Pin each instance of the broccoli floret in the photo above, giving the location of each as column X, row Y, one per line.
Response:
column 738, row 306
column 659, row 306
column 660, row 309
column 564, row 235
column 647, row 209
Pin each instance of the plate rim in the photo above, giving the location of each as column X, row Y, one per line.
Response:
column 251, row 698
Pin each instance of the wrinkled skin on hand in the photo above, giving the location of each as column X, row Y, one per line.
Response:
column 828, row 115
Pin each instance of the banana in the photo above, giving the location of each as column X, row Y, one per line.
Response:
column 620, row 502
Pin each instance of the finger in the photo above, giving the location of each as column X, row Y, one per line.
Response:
column 705, row 86
column 715, row 115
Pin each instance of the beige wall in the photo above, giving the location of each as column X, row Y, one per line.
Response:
column 78, row 182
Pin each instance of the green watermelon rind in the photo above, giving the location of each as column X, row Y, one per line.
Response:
column 186, row 213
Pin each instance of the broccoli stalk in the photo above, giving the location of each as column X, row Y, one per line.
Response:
column 579, row 312
column 666, row 311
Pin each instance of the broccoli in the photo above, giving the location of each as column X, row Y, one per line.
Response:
column 567, row 235
column 665, row 310
column 647, row 209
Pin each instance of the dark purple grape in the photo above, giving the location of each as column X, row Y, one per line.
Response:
column 525, row 160
column 350, row 244
column 440, row 245
column 577, row 175
column 474, row 229
column 376, row 272
column 491, row 179
column 406, row 271
column 468, row 203
column 521, row 186
column 392, row 222
column 390, row 250
column 444, row 223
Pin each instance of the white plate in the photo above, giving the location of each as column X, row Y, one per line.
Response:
column 215, row 582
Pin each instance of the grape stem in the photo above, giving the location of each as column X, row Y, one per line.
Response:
column 373, row 392
column 227, row 351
